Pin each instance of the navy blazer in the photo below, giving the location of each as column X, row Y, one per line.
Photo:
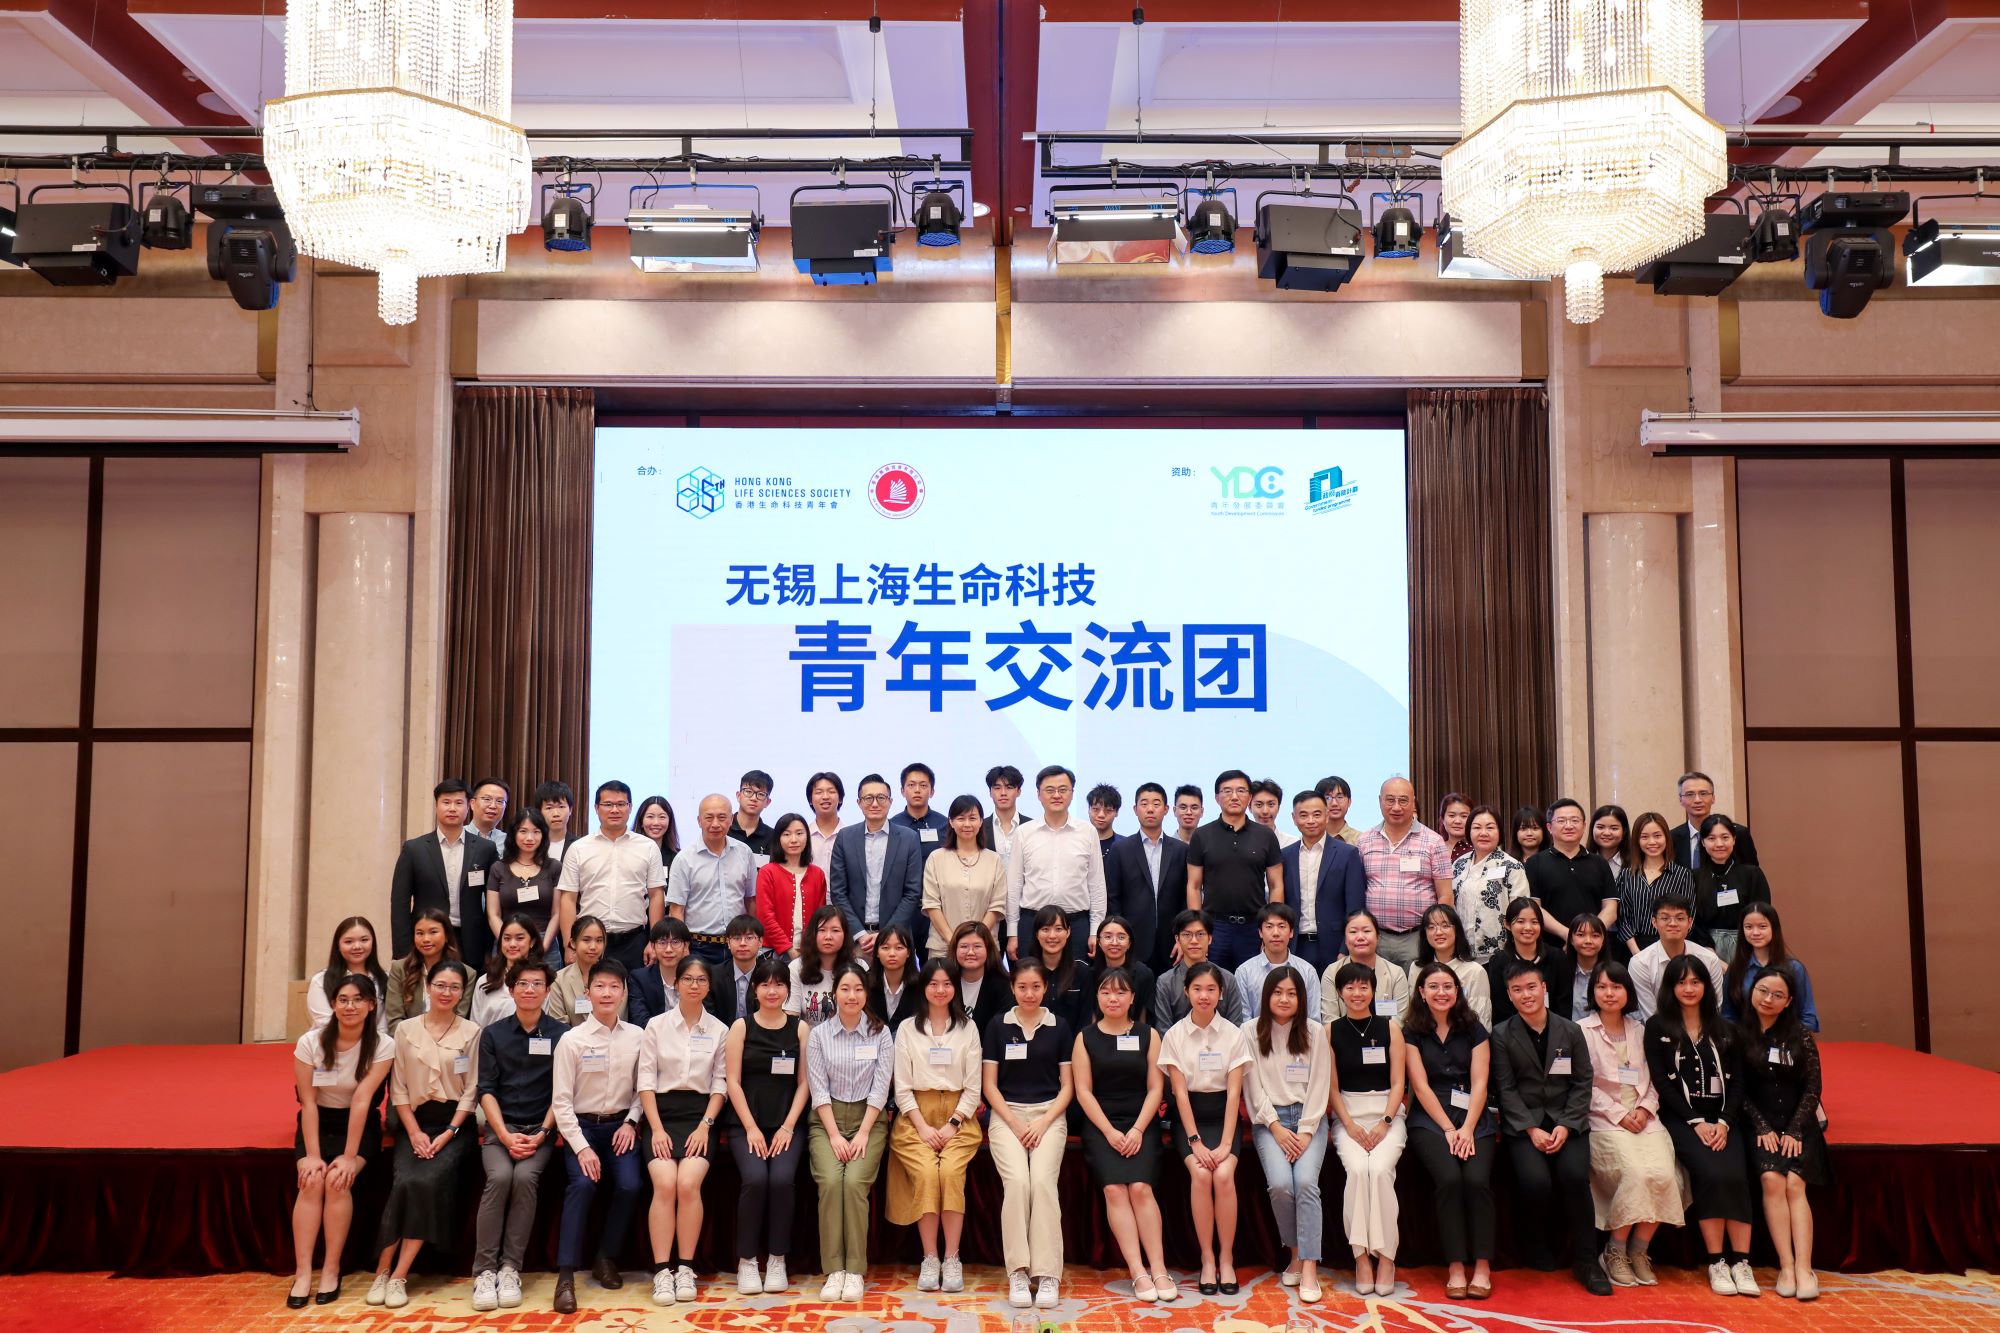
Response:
column 418, row 884
column 1342, row 889
column 1128, row 892
column 902, row 879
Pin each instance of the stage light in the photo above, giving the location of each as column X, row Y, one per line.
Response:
column 1455, row 262
column 566, row 218
column 938, row 214
column 168, row 225
column 1849, row 253
column 1131, row 228
column 1939, row 253
column 250, row 247
column 1774, row 237
column 1211, row 223
column 1398, row 231
column 1706, row 265
column 696, row 236
column 91, row 244
column 1306, row 247
column 8, row 231
column 843, row 242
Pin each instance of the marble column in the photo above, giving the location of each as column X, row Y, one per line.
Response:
column 361, row 638
column 1637, row 727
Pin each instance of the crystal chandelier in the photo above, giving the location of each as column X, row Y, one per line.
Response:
column 1585, row 150
column 391, row 149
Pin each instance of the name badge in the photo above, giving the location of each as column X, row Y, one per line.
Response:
column 1715, row 1087
column 326, row 1078
column 528, row 893
column 1374, row 1055
column 1559, row 1065
column 594, row 1062
column 1017, row 1050
column 1209, row 1062
column 580, row 1006
column 940, row 1055
column 1496, row 872
column 1461, row 1099
column 784, row 1064
column 461, row 1064
column 541, row 1046
column 1628, row 1075
column 864, row 1054
column 1726, row 897
column 476, row 878
column 1129, row 1042
column 927, row 835
column 1411, row 864
column 1385, row 1008
column 1297, row 1071
column 700, row 1043
column 1778, row 1055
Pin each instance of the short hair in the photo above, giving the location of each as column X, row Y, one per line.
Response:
column 693, row 960
column 1328, row 786
column 1053, row 770
column 872, row 777
column 450, row 787
column 1106, row 795
column 1189, row 789
column 1689, row 776
column 744, row 924
column 613, row 785
column 1231, row 775
column 608, row 967
column 1676, row 900
column 1518, row 967
column 757, row 778
column 839, row 790
column 1000, row 773
column 1207, row 969
column 1266, row 787
column 530, row 964
column 1152, row 787
column 1277, row 912
column 670, row 928
column 450, row 964
column 1610, row 969
column 1305, row 794
column 1350, row 972
column 1562, row 803
column 552, row 791
column 501, row 783
column 924, row 769
column 1193, row 916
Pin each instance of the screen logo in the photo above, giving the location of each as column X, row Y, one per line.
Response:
column 1327, row 490
column 896, row 490
column 1250, row 483
column 698, row 492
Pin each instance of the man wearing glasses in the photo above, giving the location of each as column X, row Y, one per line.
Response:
column 753, row 797
column 615, row 875
column 1056, row 863
column 877, row 875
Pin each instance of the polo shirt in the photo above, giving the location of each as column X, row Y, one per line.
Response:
column 1037, row 1077
column 933, row 830
column 758, row 840
column 518, row 1076
column 1233, row 864
column 1570, row 886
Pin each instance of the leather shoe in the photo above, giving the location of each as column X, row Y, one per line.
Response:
column 565, row 1295
column 1593, row 1279
column 327, row 1297
column 296, row 1302
column 607, row 1274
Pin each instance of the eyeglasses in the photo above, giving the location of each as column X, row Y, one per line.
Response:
column 531, row 983
column 1192, row 935
column 879, row 798
column 614, row 805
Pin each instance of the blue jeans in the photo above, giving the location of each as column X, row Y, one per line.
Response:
column 621, row 1173
column 1294, row 1186
column 1235, row 943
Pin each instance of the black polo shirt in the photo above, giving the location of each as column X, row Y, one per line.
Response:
column 1035, row 1076
column 520, row 1077
column 1233, row 862
column 758, row 840
column 1570, row 886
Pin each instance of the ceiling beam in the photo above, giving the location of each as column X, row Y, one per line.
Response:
column 1267, row 12
column 718, row 11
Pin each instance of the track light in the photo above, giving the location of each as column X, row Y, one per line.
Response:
column 1849, row 254
column 1127, row 227
column 1398, row 231
column 843, row 242
column 250, row 248
column 938, row 213
column 90, row 244
column 698, row 236
column 168, row 224
column 1774, row 236
column 1306, row 247
column 1211, row 224
column 566, row 218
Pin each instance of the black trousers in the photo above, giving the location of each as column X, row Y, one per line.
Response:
column 1464, row 1194
column 628, row 947
column 1545, row 1182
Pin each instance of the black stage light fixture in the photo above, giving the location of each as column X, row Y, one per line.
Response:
column 1210, row 220
column 167, row 224
column 1706, row 265
column 939, row 214
column 1946, row 253
column 843, row 242
column 1774, row 236
column 250, row 248
column 566, row 218
column 1398, row 230
column 1307, row 247
column 89, row 244
column 1849, row 253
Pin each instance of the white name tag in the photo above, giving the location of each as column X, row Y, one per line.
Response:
column 1297, row 1071
column 1778, row 1055
column 1129, row 1042
column 594, row 1062
column 476, row 878
column 1461, row 1099
column 1726, row 897
column 1715, row 1087
column 528, row 893
column 1559, row 1065
column 325, row 1078
column 1496, row 872
column 1411, row 864
column 1209, row 1062
column 784, row 1064
column 1017, row 1050
column 701, row 1045
column 927, row 835
column 581, row 1005
column 1374, row 1055
column 1385, row 1008
column 461, row 1064
column 1628, row 1075
column 541, row 1046
column 864, row 1055
column 940, row 1055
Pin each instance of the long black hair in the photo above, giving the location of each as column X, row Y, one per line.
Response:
column 938, row 967
column 415, row 970
column 527, row 814
column 1441, row 912
column 1668, row 1008
column 371, row 1031
column 809, row 969
column 1299, row 1040
column 1062, row 973
column 872, row 1018
column 1789, row 1031
column 1736, row 982
column 336, row 961
column 496, row 966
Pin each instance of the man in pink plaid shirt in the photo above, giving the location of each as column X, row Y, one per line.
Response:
column 1409, row 869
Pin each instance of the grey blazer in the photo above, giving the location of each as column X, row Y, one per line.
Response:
column 1529, row 1093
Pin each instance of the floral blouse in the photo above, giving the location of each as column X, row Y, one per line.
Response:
column 1481, row 893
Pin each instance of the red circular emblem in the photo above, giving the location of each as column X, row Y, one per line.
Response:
column 896, row 490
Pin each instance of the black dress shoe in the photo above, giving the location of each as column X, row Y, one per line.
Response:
column 1228, row 1288
column 1593, row 1279
column 565, row 1295
column 327, row 1297
column 1205, row 1288
column 607, row 1274
column 296, row 1302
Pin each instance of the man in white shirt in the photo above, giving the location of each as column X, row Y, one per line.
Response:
column 489, row 807
column 712, row 883
column 824, row 794
column 596, row 1108
column 1056, row 863
column 1673, row 917
column 615, row 875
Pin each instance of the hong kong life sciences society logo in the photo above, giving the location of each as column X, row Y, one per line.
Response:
column 699, row 492
column 1327, row 490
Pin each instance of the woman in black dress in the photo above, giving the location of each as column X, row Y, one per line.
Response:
column 341, row 1069
column 767, row 1096
column 523, row 882
column 1453, row 1130
column 1723, row 887
column 1696, row 1064
column 1071, row 983
column 1781, row 1092
column 1116, row 1069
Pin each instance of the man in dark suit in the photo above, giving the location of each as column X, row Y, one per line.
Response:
column 1697, row 793
column 1132, row 889
column 730, row 996
column 1541, row 1069
column 1339, row 887
column 445, row 869
column 872, row 890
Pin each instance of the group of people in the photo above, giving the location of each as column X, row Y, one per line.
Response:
column 1612, row 1002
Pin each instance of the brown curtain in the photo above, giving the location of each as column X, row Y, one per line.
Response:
column 1482, row 636
column 517, row 658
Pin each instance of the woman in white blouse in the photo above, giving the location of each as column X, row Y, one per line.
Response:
column 1204, row 1056
column 353, row 952
column 938, row 1076
column 339, row 1067
column 1483, row 882
column 491, row 1000
column 1443, row 941
column 1288, row 1087
column 683, row 1078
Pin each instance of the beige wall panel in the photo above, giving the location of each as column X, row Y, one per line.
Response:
column 44, row 505
column 1958, row 786
column 34, row 895
column 1637, row 737
column 1893, row 340
column 137, row 339
column 1954, row 525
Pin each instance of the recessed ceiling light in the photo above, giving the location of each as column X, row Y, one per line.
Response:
column 214, row 102
column 1784, row 106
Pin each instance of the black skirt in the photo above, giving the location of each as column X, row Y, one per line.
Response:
column 680, row 1115
column 424, row 1199
column 1208, row 1108
column 333, row 1124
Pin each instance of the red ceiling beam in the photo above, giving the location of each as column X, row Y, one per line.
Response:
column 758, row 11
column 1002, row 70
column 1372, row 11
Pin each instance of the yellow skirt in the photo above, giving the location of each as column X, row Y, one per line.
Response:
column 922, row 1181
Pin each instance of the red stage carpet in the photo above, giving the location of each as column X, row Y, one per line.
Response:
column 195, row 1177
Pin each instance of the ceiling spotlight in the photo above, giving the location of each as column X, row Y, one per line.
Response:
column 1211, row 223
column 843, row 242
column 566, row 218
column 1307, row 247
column 696, row 236
column 1127, row 228
column 1399, row 232
column 1706, row 265
column 1849, row 253
column 250, row 246
column 90, row 244
column 1952, row 254
column 167, row 224
column 1455, row 260
column 939, row 215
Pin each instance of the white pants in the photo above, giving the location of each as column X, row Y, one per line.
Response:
column 1368, row 1205
column 1030, row 1203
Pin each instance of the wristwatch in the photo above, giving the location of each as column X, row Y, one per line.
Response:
column 954, row 1122
column 708, row 1122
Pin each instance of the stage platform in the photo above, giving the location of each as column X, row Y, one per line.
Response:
column 155, row 1161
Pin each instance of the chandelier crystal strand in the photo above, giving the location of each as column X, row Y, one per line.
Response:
column 392, row 148
column 1584, row 147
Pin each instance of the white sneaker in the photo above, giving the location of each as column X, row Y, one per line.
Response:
column 1719, row 1280
column 953, row 1276
column 1745, row 1278
column 1045, row 1293
column 837, row 1282
column 929, row 1274
column 663, row 1287
column 774, row 1274
column 747, row 1281
column 378, row 1289
column 851, row 1291
column 1021, row 1298
column 684, row 1283
column 398, row 1294
column 486, row 1292
column 510, row 1288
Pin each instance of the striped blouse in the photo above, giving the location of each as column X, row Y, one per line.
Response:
column 1636, row 896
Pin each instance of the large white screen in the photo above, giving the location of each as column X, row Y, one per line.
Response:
column 1271, row 565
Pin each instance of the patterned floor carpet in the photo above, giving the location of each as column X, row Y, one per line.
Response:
column 1521, row 1303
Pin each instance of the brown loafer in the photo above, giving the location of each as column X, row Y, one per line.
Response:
column 1478, row 1292
column 565, row 1296
column 1455, row 1291
column 607, row 1274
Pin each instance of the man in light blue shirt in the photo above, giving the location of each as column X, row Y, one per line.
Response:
column 713, row 883
column 877, row 875
column 1275, row 923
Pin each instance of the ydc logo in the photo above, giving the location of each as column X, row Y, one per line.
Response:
column 1250, row 483
column 896, row 490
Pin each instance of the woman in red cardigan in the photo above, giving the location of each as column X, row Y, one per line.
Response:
column 789, row 889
